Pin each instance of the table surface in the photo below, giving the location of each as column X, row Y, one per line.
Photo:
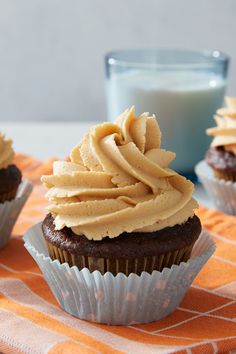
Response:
column 55, row 139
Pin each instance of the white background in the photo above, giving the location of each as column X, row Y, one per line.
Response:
column 51, row 51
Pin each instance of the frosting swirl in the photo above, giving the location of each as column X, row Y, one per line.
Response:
column 118, row 180
column 6, row 151
column 225, row 132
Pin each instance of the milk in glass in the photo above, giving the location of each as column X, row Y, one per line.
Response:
column 184, row 103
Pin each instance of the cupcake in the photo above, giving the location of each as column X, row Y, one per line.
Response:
column 10, row 175
column 121, row 242
column 218, row 171
column 116, row 206
column 221, row 156
column 14, row 191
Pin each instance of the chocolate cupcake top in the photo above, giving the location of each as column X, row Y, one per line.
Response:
column 225, row 132
column 6, row 152
column 118, row 180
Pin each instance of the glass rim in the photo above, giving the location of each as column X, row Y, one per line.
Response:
column 212, row 58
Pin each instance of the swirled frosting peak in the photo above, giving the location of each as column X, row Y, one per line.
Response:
column 225, row 132
column 118, row 180
column 6, row 151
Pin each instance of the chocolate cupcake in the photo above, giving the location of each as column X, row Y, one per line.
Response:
column 133, row 252
column 221, row 156
column 13, row 191
column 117, row 206
column 10, row 175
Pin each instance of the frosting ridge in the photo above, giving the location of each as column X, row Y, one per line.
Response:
column 118, row 180
column 6, row 151
column 225, row 131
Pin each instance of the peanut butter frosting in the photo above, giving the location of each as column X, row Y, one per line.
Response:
column 6, row 151
column 225, row 132
column 118, row 180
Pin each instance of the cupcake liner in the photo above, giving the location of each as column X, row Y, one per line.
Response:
column 10, row 210
column 123, row 265
column 118, row 300
column 221, row 191
column 227, row 176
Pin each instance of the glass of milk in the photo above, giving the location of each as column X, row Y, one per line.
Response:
column 183, row 88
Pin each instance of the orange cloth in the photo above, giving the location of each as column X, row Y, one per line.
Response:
column 32, row 321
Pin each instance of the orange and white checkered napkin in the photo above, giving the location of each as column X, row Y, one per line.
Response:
column 32, row 322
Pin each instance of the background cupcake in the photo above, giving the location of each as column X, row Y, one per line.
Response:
column 117, row 206
column 218, row 171
column 13, row 190
column 222, row 153
column 10, row 175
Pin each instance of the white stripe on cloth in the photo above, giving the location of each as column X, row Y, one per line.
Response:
column 3, row 266
column 7, row 349
column 210, row 342
column 26, row 336
column 216, row 291
column 224, row 260
column 199, row 314
column 222, row 238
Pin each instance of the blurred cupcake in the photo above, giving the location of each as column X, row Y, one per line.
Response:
column 10, row 175
column 117, row 206
column 221, row 156
column 13, row 191
column 218, row 171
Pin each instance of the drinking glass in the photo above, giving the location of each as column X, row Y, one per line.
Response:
column 183, row 88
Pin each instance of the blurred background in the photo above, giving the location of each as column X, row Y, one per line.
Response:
column 51, row 51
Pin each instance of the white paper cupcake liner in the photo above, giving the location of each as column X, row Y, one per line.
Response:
column 10, row 210
column 118, row 300
column 222, row 192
